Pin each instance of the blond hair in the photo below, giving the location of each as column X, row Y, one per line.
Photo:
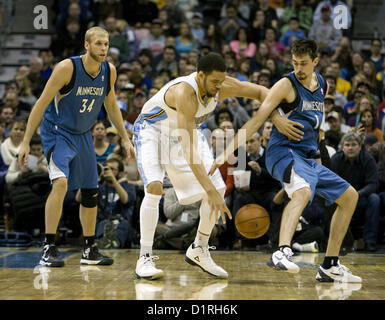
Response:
column 93, row 31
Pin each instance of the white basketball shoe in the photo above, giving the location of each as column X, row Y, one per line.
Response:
column 281, row 260
column 338, row 273
column 145, row 268
column 200, row 256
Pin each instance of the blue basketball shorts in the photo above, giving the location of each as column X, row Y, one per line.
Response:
column 295, row 172
column 69, row 155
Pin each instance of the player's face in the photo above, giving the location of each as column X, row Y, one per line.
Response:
column 98, row 48
column 303, row 66
column 212, row 83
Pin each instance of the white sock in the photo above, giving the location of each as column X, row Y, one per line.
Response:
column 148, row 218
column 206, row 225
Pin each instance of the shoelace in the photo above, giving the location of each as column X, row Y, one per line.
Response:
column 51, row 250
column 150, row 260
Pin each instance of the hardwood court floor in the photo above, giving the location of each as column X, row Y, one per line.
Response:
column 249, row 278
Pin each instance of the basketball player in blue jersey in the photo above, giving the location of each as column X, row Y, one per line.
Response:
column 300, row 95
column 166, row 138
column 69, row 106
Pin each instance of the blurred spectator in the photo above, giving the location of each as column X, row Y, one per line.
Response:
column 261, row 56
column 370, row 73
column 264, row 79
column 369, row 116
column 339, row 98
column 197, row 29
column 231, row 23
column 129, row 33
column 381, row 77
column 243, row 67
column 101, row 9
column 343, row 55
column 7, row 116
column 68, row 43
column 276, row 48
column 299, row 9
column 377, row 151
column 117, row 39
column 2, row 131
column 213, row 38
column 332, row 4
column 146, row 60
column 140, row 98
column 334, row 124
column 294, row 33
column 155, row 41
column 34, row 76
column 356, row 67
column 20, row 109
column 185, row 42
column 140, row 11
column 10, row 146
column 375, row 54
column 72, row 10
column 258, row 26
column 174, row 13
column 101, row 145
column 269, row 12
column 116, row 201
column 187, row 7
column 359, row 168
column 275, row 75
column 342, row 86
column 36, row 162
column 47, row 57
column 169, row 29
column 193, row 57
column 324, row 33
column 242, row 46
column 332, row 139
column 363, row 103
column 25, row 92
column 168, row 62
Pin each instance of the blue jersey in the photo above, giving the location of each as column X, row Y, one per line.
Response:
column 77, row 105
column 307, row 109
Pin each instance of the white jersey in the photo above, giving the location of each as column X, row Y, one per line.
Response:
column 156, row 112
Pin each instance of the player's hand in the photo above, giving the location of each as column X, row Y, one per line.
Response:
column 218, row 206
column 289, row 128
column 23, row 154
column 127, row 145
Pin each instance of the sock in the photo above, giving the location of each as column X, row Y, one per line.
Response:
column 329, row 262
column 89, row 241
column 148, row 216
column 280, row 248
column 205, row 226
column 49, row 238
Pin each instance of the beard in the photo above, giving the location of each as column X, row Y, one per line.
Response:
column 208, row 93
column 301, row 76
column 96, row 57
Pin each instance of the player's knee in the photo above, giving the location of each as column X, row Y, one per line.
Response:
column 59, row 186
column 155, row 187
column 303, row 194
column 348, row 198
column 89, row 198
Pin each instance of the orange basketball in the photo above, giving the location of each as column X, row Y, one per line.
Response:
column 252, row 221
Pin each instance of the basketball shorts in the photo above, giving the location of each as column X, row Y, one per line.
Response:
column 295, row 172
column 69, row 155
column 158, row 153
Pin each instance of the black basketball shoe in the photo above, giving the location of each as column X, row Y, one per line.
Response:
column 91, row 255
column 50, row 257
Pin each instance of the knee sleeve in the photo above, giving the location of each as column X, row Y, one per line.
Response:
column 89, row 198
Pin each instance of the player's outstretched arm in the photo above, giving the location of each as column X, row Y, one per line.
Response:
column 276, row 94
column 115, row 115
column 232, row 87
column 60, row 76
column 186, row 104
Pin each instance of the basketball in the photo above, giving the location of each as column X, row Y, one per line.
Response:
column 252, row 221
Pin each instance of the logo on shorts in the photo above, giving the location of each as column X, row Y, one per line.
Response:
column 103, row 78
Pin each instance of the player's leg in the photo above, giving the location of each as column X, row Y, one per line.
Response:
column 198, row 253
column 331, row 270
column 152, row 172
column 53, row 210
column 298, row 186
column 87, row 214
column 148, row 220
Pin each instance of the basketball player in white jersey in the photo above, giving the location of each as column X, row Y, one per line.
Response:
column 166, row 138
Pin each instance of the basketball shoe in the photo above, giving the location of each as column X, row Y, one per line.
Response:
column 145, row 268
column 306, row 247
column 281, row 260
column 338, row 273
column 50, row 257
column 200, row 256
column 91, row 255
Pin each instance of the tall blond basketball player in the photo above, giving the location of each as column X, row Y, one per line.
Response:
column 166, row 138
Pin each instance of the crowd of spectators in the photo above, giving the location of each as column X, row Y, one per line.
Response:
column 153, row 42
